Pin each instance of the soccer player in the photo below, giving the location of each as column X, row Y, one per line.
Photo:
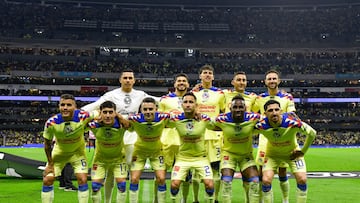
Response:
column 239, row 83
column 127, row 100
column 170, row 139
column 272, row 81
column 211, row 102
column 238, row 126
column 149, row 125
column 68, row 129
column 109, row 132
column 192, row 152
column 280, row 129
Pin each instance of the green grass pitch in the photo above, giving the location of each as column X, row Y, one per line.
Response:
column 321, row 190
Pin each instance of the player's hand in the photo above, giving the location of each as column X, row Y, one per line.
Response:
column 125, row 123
column 296, row 154
column 197, row 116
column 197, row 87
column 48, row 169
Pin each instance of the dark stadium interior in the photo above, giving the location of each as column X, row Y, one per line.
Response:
column 52, row 47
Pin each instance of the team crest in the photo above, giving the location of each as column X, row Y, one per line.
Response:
column 189, row 126
column 68, row 129
column 108, row 133
column 276, row 134
column 237, row 129
column 205, row 96
column 149, row 127
column 127, row 100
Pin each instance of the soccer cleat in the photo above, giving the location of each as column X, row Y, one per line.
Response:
column 71, row 189
column 61, row 187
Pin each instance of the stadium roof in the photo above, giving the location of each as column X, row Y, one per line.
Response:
column 203, row 2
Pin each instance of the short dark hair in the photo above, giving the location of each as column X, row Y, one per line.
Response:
column 107, row 104
column 67, row 96
column 189, row 94
column 127, row 70
column 206, row 67
column 271, row 101
column 239, row 73
column 149, row 100
column 238, row 97
column 181, row 75
column 272, row 71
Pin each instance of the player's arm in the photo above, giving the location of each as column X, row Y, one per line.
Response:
column 124, row 122
column 310, row 134
column 48, row 151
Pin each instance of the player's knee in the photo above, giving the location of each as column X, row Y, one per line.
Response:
column 175, row 184
column 82, row 178
column 301, row 180
column 96, row 186
column 121, row 186
column 161, row 180
column 48, row 180
column 135, row 179
column 266, row 180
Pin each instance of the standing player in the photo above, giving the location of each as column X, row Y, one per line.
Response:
column 127, row 102
column 170, row 139
column 280, row 131
column 192, row 152
column 286, row 100
column 109, row 133
column 239, row 83
column 68, row 129
column 211, row 102
column 237, row 126
column 149, row 125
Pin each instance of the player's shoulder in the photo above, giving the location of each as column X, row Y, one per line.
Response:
column 93, row 124
column 205, row 117
column 168, row 96
column 163, row 115
column 262, row 95
column 135, row 117
column 177, row 117
column 290, row 120
column 223, row 117
column 53, row 120
column 263, row 124
column 252, row 116
column 216, row 89
column 81, row 115
column 250, row 94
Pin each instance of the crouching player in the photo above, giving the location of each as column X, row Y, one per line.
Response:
column 281, row 129
column 109, row 132
column 238, row 126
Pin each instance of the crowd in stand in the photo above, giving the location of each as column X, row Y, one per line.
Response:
column 246, row 25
